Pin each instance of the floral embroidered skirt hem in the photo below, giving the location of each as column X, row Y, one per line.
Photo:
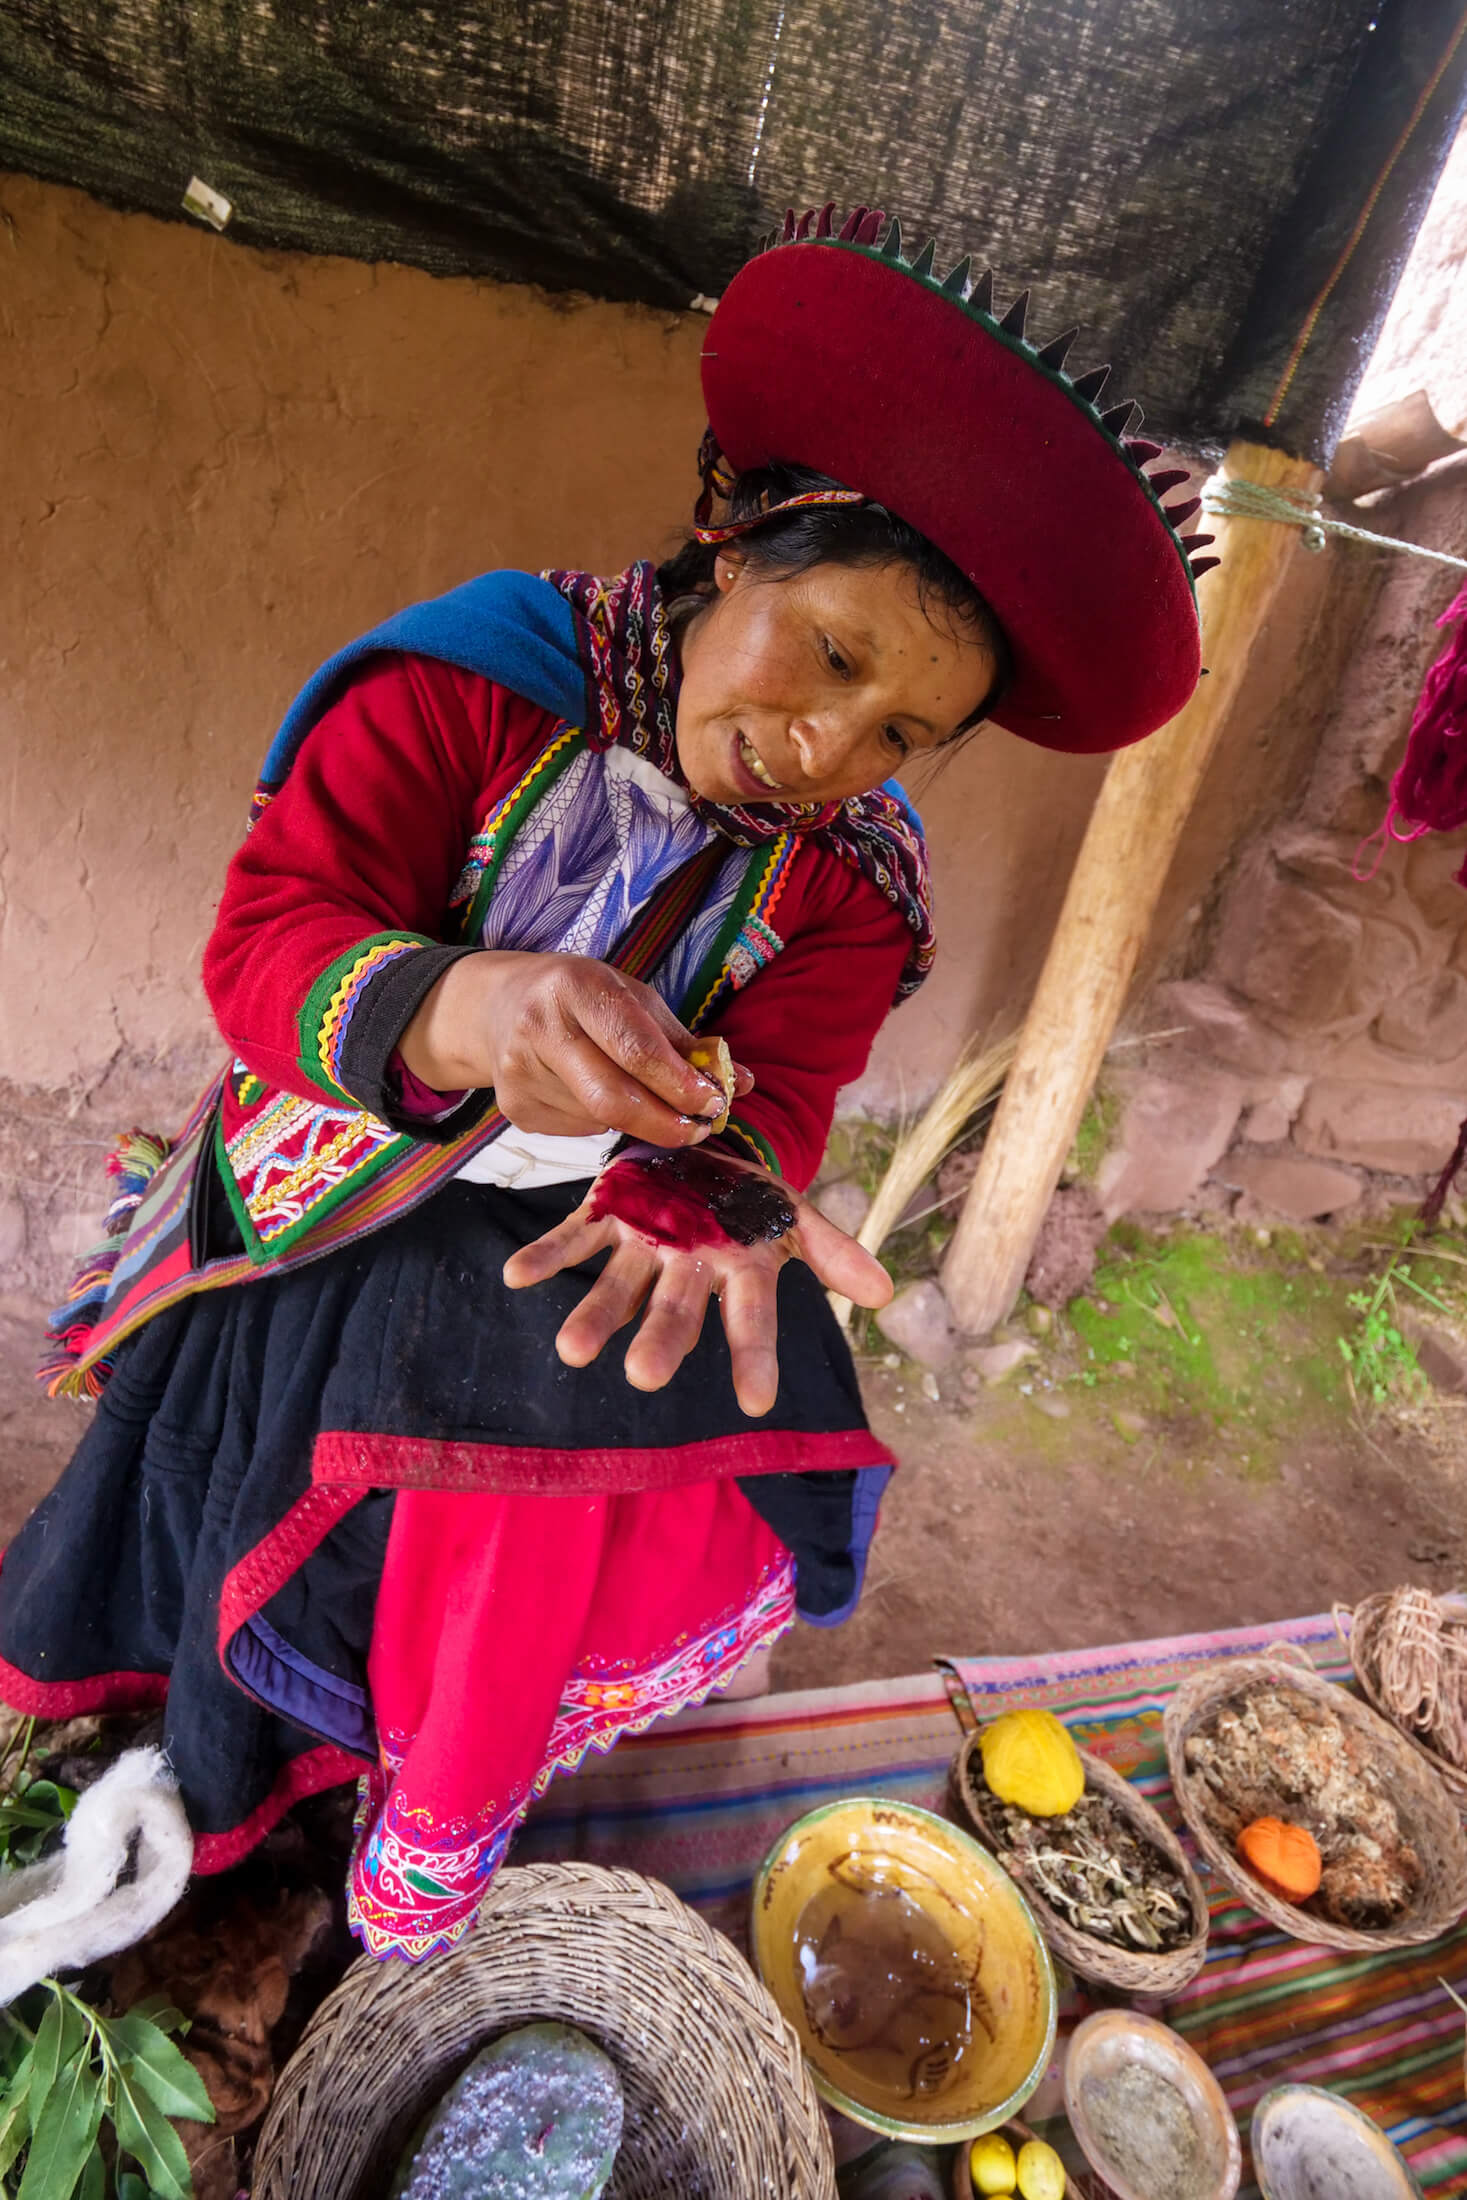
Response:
column 358, row 1522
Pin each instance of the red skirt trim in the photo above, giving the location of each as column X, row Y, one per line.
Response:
column 271, row 1562
column 74, row 1699
column 347, row 1460
column 305, row 1775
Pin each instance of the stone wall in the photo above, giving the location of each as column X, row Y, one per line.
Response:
column 1311, row 1057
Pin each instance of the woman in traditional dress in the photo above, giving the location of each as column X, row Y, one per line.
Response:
column 371, row 1492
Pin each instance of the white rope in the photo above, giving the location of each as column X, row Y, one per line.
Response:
column 1227, row 498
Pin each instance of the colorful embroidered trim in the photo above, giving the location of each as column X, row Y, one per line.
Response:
column 294, row 1160
column 759, row 1146
column 332, row 1001
column 747, row 940
column 133, row 1163
column 733, row 528
column 416, row 1885
column 490, row 844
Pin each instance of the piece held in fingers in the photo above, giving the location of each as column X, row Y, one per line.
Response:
column 689, row 1198
column 713, row 1058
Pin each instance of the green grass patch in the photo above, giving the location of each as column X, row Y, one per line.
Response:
column 1200, row 1326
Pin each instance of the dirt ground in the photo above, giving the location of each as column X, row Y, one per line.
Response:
column 1118, row 1484
column 1002, row 1533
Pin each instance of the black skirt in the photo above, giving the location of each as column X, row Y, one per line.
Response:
column 405, row 1357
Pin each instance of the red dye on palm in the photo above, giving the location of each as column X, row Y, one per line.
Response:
column 689, row 1198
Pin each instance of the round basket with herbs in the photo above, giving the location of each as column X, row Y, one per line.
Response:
column 1266, row 1747
column 1104, row 1873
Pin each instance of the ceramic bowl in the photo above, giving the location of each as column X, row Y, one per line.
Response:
column 1117, row 2041
column 1311, row 2145
column 909, row 1966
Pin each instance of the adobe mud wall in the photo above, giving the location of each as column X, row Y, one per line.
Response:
column 221, row 464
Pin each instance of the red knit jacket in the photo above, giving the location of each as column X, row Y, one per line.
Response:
column 368, row 835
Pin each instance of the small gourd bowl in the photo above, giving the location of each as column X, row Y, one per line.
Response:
column 1016, row 2132
column 1133, row 1970
column 1426, row 1811
column 1307, row 2141
column 1115, row 2040
column 874, row 1845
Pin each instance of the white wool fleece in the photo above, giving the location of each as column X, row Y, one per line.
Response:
column 69, row 1911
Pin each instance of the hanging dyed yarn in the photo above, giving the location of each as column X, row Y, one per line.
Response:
column 1429, row 792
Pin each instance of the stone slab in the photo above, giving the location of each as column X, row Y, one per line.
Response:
column 1173, row 1130
column 918, row 1323
column 1405, row 1130
column 1289, row 1184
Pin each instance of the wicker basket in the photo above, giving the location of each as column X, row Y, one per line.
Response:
column 1133, row 1970
column 1427, row 1814
column 717, row 2099
column 1452, row 1776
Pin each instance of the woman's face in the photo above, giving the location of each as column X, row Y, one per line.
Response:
column 821, row 685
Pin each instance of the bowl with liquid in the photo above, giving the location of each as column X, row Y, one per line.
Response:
column 909, row 1966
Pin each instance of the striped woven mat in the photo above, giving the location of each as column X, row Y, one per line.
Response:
column 698, row 1801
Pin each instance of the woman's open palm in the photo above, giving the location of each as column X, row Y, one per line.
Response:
column 655, row 1270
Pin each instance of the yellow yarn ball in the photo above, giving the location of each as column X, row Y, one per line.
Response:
column 1030, row 1761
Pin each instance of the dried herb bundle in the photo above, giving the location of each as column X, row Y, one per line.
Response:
column 1091, row 1867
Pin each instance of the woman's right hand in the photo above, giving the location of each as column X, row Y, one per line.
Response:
column 569, row 1045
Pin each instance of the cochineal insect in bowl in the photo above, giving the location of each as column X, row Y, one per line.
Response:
column 909, row 1966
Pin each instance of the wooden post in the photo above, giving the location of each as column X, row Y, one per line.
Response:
column 1112, row 896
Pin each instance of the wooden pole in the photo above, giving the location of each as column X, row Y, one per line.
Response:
column 1112, row 896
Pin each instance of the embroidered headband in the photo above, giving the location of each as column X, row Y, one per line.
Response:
column 732, row 529
column 719, row 480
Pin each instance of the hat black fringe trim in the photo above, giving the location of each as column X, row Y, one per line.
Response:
column 1013, row 321
column 1056, row 350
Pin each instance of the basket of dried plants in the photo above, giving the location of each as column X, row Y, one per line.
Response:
column 1109, row 1882
column 1408, row 1649
column 1266, row 1737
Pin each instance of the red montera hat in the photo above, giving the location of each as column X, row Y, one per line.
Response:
column 836, row 353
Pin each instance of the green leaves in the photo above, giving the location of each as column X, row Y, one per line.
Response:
column 78, row 2068
column 15, row 2117
column 28, row 1818
column 168, row 2078
column 1379, row 1359
column 65, row 2132
column 144, row 2132
column 62, row 2033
